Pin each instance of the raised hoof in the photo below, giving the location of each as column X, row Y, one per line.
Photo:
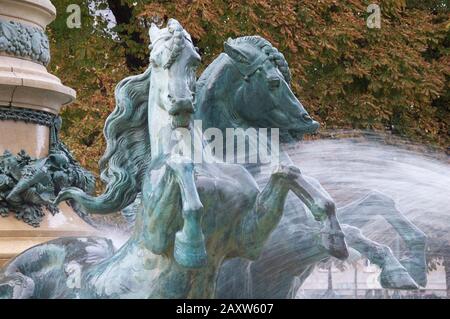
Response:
column 334, row 242
column 188, row 253
column 397, row 278
column 417, row 269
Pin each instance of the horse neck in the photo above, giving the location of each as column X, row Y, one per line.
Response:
column 214, row 100
column 216, row 104
column 158, row 117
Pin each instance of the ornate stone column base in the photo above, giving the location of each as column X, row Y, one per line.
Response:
column 30, row 100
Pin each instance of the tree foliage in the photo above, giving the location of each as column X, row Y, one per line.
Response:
column 347, row 75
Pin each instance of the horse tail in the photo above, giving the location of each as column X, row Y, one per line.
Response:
column 128, row 150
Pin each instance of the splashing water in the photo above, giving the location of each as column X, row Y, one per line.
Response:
column 116, row 235
column 348, row 168
column 417, row 179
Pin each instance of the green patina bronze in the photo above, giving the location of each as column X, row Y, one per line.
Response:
column 193, row 218
column 28, row 186
column 24, row 41
column 11, row 113
column 248, row 86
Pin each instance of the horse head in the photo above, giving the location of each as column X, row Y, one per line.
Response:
column 174, row 61
column 249, row 87
column 264, row 97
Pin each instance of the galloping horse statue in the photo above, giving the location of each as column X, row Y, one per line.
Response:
column 247, row 87
column 186, row 207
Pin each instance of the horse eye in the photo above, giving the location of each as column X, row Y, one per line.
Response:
column 274, row 82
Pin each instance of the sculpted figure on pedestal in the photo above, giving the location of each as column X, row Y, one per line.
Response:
column 29, row 186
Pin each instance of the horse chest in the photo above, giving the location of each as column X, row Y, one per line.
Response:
column 159, row 133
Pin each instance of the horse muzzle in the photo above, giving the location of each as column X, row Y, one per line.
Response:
column 308, row 125
column 181, row 112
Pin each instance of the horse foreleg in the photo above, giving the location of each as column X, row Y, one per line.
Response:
column 163, row 203
column 393, row 274
column 322, row 206
column 256, row 226
column 376, row 203
column 190, row 249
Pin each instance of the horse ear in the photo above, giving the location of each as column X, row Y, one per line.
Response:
column 153, row 32
column 235, row 53
column 173, row 25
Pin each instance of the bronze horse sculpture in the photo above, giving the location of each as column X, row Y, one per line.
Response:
column 179, row 240
column 248, row 87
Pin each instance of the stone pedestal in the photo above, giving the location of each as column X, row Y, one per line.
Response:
column 28, row 96
column 16, row 236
